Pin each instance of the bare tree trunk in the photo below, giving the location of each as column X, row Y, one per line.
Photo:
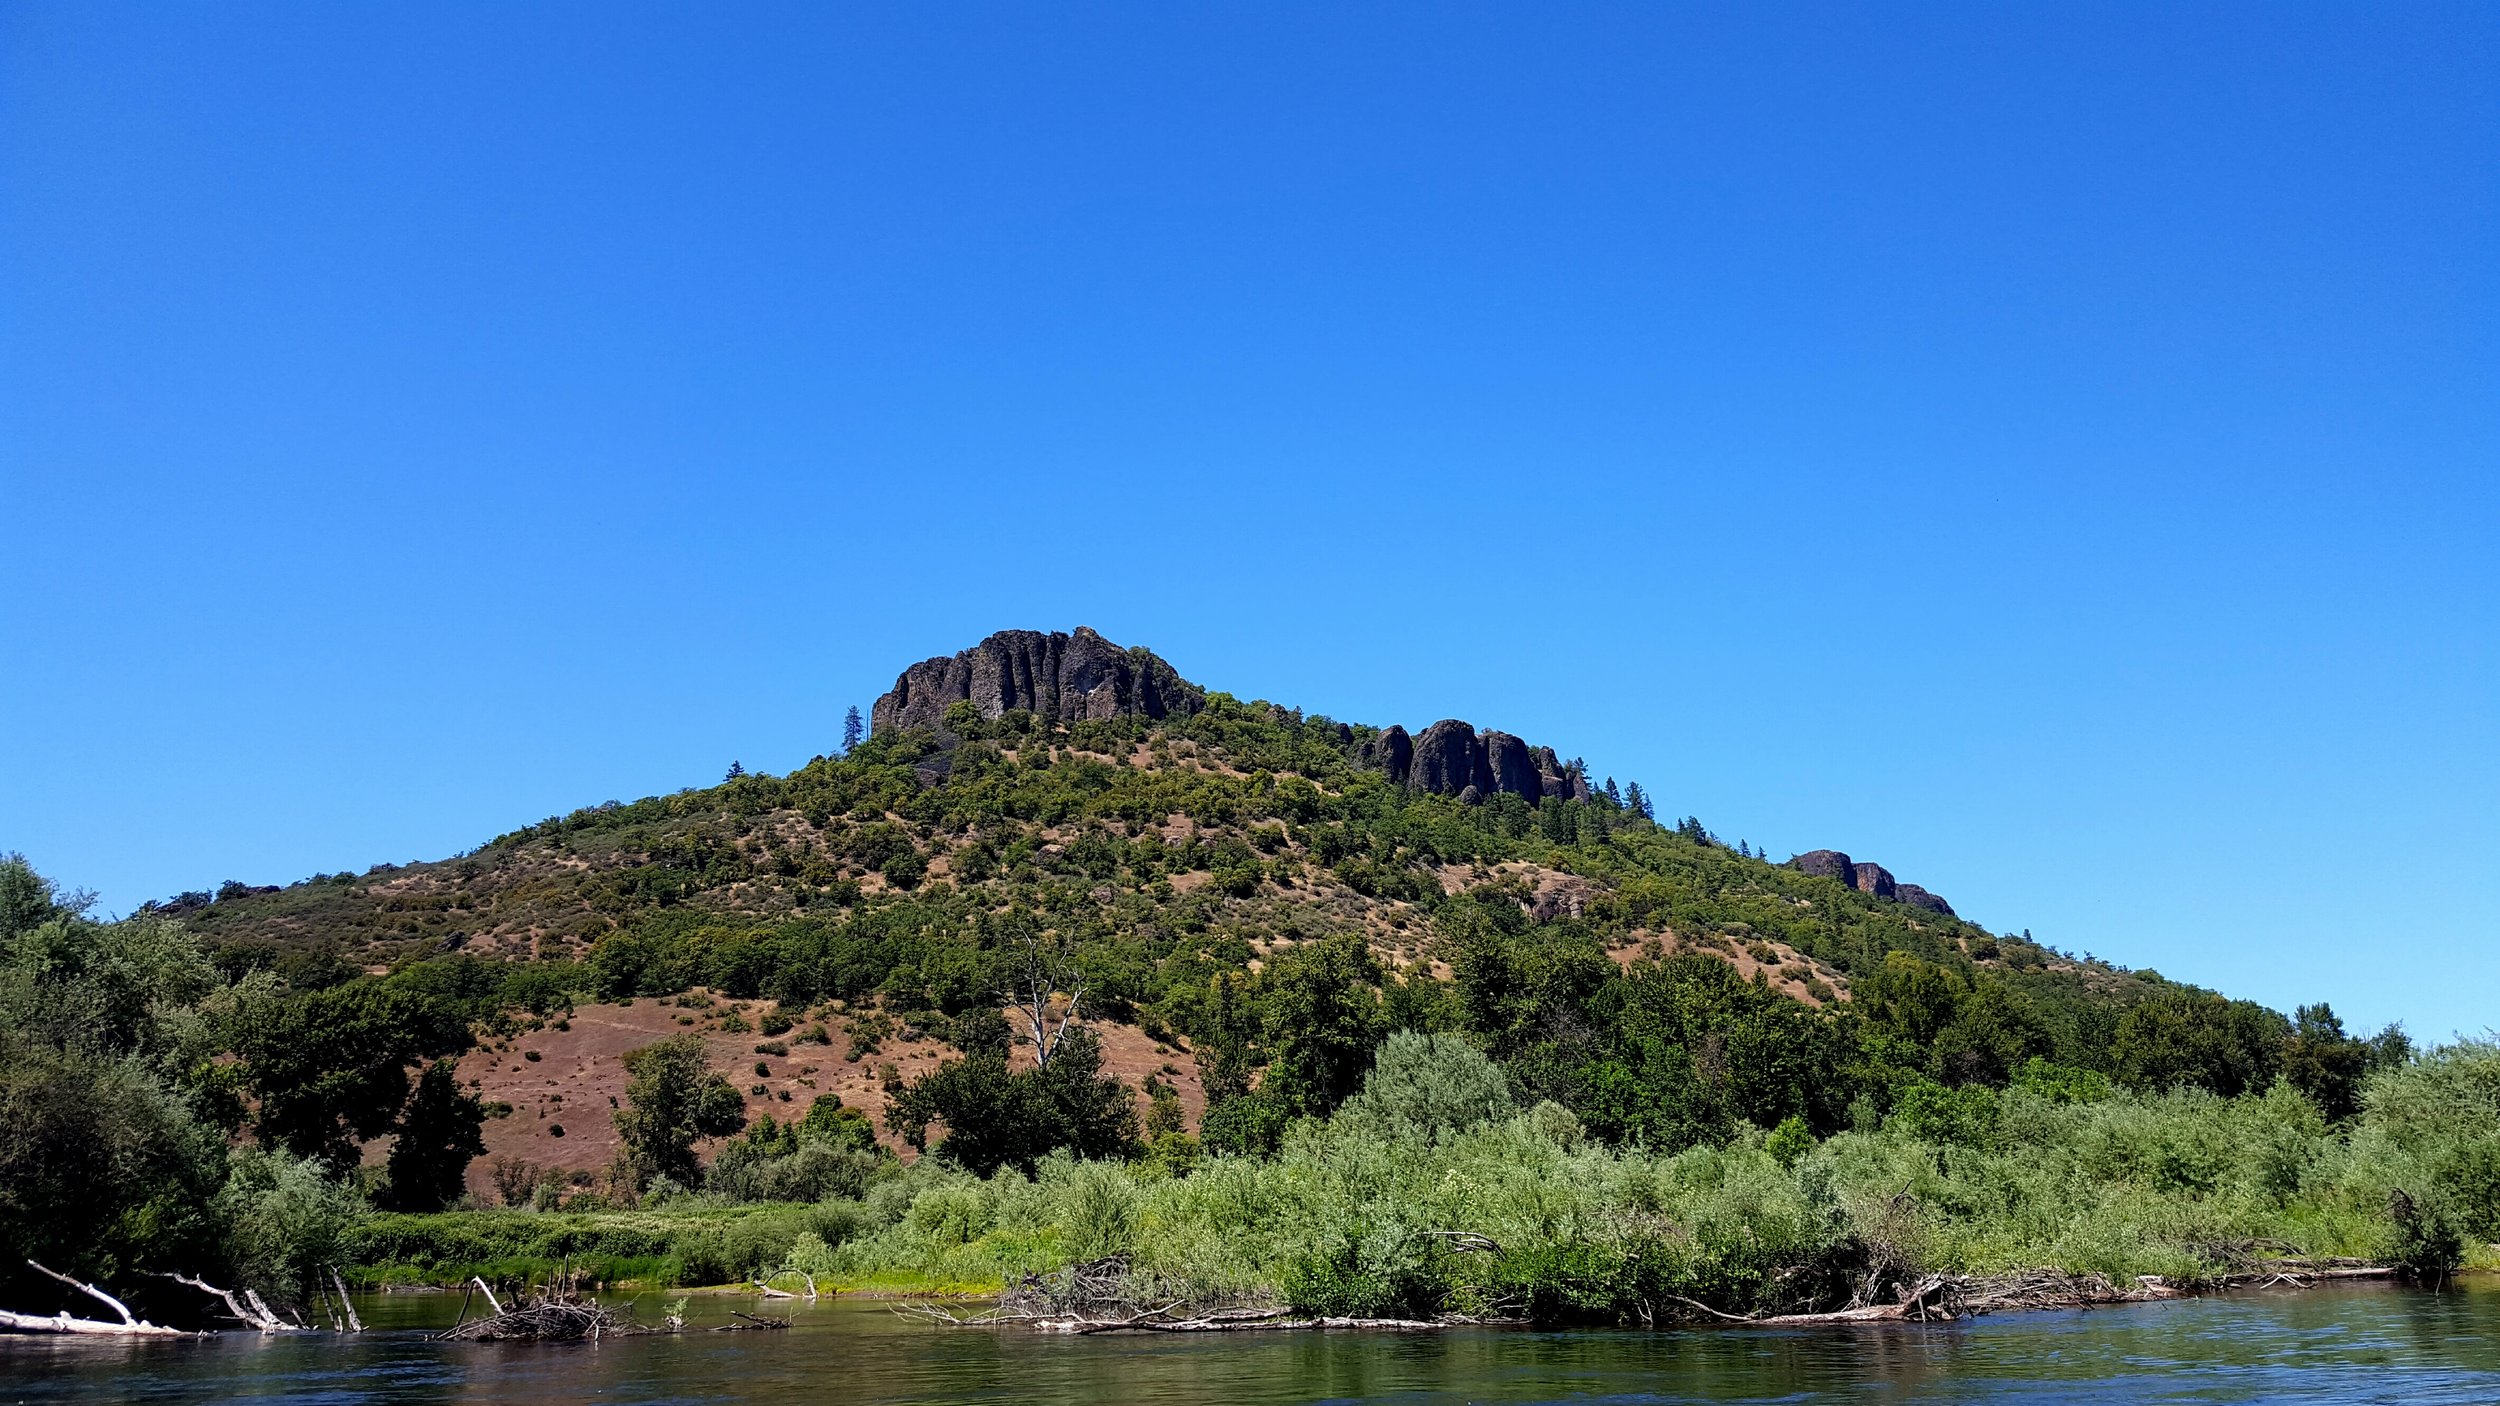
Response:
column 64, row 1322
column 1046, row 973
column 250, row 1317
column 354, row 1324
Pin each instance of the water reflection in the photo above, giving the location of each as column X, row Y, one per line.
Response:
column 2368, row 1344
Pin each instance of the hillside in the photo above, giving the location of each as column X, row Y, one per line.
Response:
column 1171, row 831
column 1284, row 934
column 1058, row 784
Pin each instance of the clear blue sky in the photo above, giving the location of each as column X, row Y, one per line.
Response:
column 2046, row 449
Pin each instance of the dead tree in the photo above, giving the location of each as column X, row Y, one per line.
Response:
column 131, row 1325
column 254, row 1314
column 1040, row 968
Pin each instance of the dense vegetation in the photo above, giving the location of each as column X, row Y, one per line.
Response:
column 1438, row 1189
column 1641, row 1062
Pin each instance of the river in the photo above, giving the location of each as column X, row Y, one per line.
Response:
column 2346, row 1344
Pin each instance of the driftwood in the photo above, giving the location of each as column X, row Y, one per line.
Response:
column 346, row 1304
column 748, row 1322
column 131, row 1325
column 551, row 1318
column 255, row 1314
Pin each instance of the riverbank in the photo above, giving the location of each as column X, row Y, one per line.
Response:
column 1524, row 1217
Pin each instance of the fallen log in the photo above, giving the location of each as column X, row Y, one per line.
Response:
column 131, row 1325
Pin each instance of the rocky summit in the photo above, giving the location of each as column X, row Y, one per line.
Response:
column 1080, row 676
column 1060, row 678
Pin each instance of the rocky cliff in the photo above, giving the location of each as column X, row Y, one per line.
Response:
column 1874, row 880
column 1451, row 758
column 1073, row 677
column 1063, row 677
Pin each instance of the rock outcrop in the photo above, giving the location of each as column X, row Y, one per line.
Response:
column 1826, row 864
column 1917, row 897
column 1390, row 751
column 1060, row 677
column 1511, row 766
column 1451, row 758
column 1073, row 677
column 1872, row 879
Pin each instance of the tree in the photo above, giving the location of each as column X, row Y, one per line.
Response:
column 1638, row 803
column 330, row 1068
column 2183, row 1037
column 1039, row 968
column 735, row 771
column 672, row 1100
column 106, row 1164
column 1908, row 1000
column 2325, row 1063
column 1323, row 1007
column 851, row 730
column 1689, row 1049
column 439, row 1135
column 997, row 1117
column 1994, row 1034
column 1422, row 1086
column 831, row 1152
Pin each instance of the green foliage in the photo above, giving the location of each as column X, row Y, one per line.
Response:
column 2183, row 1038
column 440, row 1133
column 1929, row 1112
column 328, row 1069
column 672, row 1100
column 1688, row 1051
column 1791, row 1140
column 2325, row 1063
column 1427, row 1086
column 997, row 1117
column 1324, row 1012
column 287, row 1219
column 829, row 1154
column 1378, row 1213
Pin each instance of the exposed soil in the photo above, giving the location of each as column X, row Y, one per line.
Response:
column 578, row 1078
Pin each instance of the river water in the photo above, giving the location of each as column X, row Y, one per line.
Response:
column 2345, row 1344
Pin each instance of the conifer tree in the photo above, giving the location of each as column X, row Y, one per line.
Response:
column 850, row 729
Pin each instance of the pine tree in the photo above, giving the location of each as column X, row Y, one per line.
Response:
column 735, row 771
column 850, row 730
column 1637, row 801
column 1614, row 795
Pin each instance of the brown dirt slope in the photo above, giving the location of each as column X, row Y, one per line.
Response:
column 561, row 1101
